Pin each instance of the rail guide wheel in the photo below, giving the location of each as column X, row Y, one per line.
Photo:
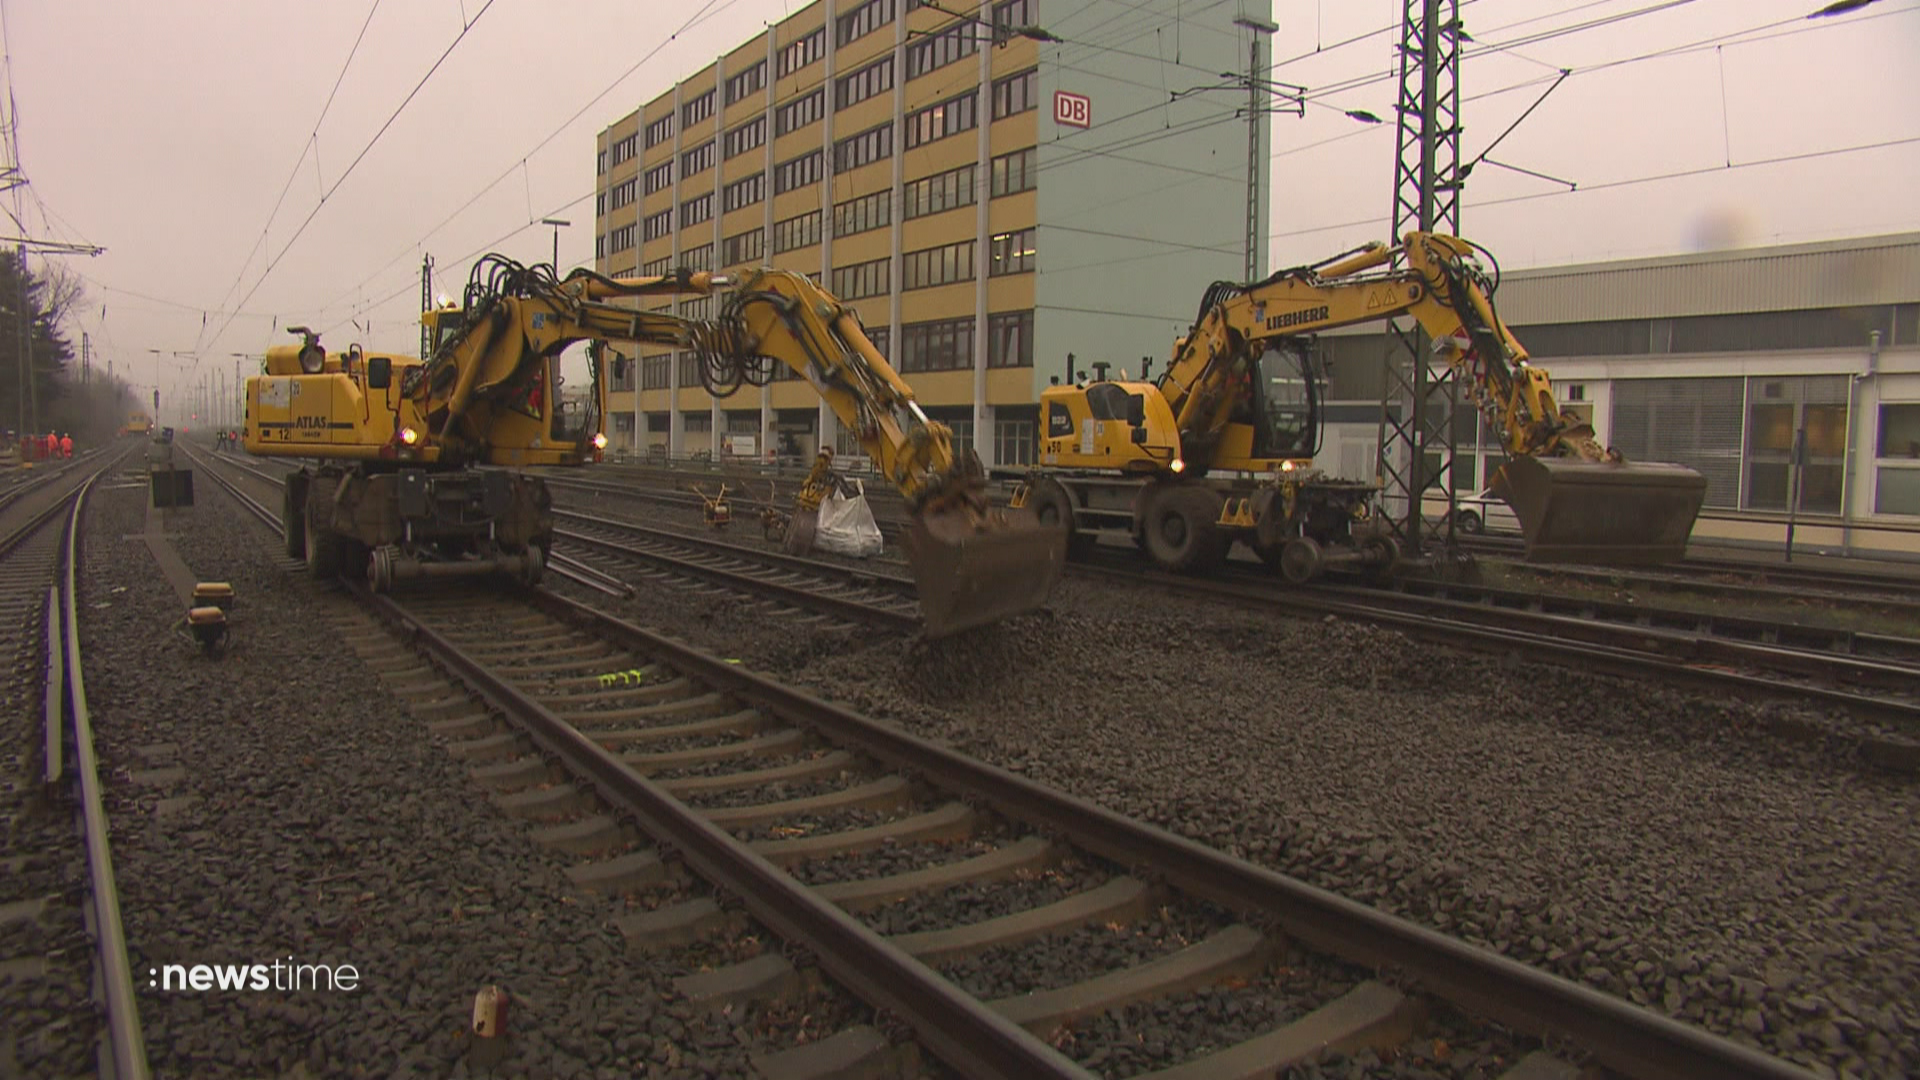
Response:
column 1300, row 560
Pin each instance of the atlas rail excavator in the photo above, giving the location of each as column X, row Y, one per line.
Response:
column 413, row 457
column 1241, row 396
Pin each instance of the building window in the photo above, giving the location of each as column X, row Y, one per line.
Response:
column 864, row 20
column 700, row 108
column 935, row 122
column 937, row 51
column 657, row 225
column 941, row 191
column 871, row 145
column 876, row 78
column 863, row 214
column 937, row 266
column 660, row 177
column 623, row 151
column 700, row 258
column 657, row 267
column 600, row 164
column 1013, row 13
column 754, row 78
column 743, row 193
column 696, row 210
column 747, row 136
column 600, row 205
column 943, row 345
column 654, row 374
column 689, row 371
column 1012, row 441
column 660, row 130
column 1010, row 339
column 1015, row 94
column 800, row 53
column 796, row 173
column 1014, row 172
column 800, row 112
column 616, row 380
column 600, row 247
column 1780, row 412
column 620, row 239
column 744, row 247
column 697, row 160
column 863, row 279
column 797, row 232
column 622, row 194
column 1012, row 253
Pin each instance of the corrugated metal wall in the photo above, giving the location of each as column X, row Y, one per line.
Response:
column 1845, row 273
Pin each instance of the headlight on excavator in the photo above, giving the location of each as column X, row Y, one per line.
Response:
column 1178, row 465
column 1286, row 466
column 600, row 441
column 409, row 436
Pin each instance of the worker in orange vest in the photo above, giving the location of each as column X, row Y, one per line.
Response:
column 66, row 446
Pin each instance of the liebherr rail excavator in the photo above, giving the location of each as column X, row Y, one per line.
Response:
column 1241, row 395
column 413, row 457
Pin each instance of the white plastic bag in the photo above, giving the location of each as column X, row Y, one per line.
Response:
column 847, row 526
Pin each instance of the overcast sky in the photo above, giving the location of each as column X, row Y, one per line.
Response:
column 165, row 132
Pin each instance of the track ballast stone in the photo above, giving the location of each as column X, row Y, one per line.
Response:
column 1658, row 844
column 331, row 828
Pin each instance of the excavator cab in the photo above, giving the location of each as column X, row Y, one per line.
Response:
column 1603, row 513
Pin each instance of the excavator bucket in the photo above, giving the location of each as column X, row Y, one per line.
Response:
column 1601, row 514
column 972, row 573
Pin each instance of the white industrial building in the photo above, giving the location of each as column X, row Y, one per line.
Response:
column 1718, row 361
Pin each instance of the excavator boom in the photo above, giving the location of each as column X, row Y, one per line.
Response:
column 973, row 563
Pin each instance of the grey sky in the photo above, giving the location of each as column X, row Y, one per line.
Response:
column 164, row 132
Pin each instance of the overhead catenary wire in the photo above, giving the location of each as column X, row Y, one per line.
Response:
column 308, row 144
column 371, row 143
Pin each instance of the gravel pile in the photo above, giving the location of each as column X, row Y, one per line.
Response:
column 329, row 828
column 1654, row 843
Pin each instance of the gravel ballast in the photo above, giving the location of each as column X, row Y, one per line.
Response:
column 327, row 826
column 1658, row 844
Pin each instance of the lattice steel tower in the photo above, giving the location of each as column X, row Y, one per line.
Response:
column 1416, row 445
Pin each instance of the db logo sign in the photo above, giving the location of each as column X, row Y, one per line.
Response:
column 1072, row 110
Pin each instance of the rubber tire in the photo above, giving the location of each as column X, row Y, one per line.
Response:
column 1180, row 527
column 293, row 516
column 1469, row 522
column 1052, row 505
column 325, row 551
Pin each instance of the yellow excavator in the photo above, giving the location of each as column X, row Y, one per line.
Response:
column 1220, row 448
column 973, row 562
column 414, row 460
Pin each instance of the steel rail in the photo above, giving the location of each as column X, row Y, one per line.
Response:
column 1609, row 658
column 797, row 563
column 957, row 1028
column 124, row 1038
column 1633, row 1040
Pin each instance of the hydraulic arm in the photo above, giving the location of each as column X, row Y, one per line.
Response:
column 973, row 563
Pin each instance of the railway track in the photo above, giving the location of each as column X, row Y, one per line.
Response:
column 66, row 986
column 1004, row 924
column 1874, row 677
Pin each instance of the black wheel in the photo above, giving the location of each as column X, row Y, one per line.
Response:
column 293, row 515
column 1300, row 560
column 1383, row 554
column 380, row 569
column 536, row 566
column 1052, row 506
column 1469, row 522
column 324, row 551
column 1180, row 528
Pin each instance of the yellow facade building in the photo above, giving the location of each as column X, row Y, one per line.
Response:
column 990, row 187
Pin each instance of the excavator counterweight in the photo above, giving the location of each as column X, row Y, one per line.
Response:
column 1608, row 513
